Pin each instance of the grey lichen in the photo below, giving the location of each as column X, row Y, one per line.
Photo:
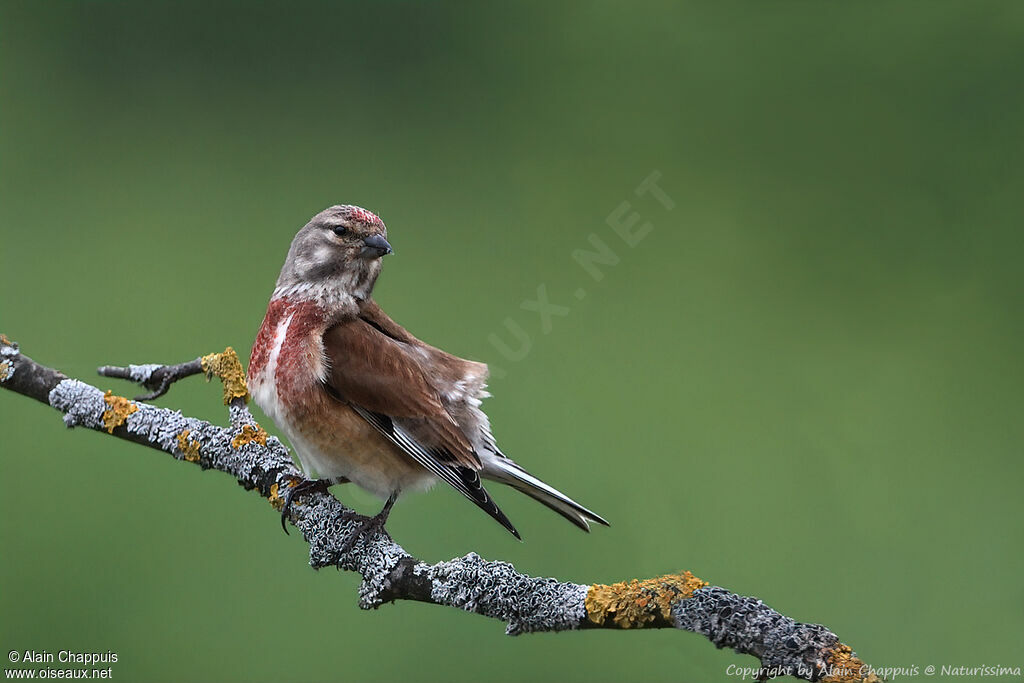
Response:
column 140, row 374
column 8, row 352
column 81, row 403
column 498, row 590
column 327, row 526
column 163, row 426
column 375, row 562
column 240, row 415
column 751, row 627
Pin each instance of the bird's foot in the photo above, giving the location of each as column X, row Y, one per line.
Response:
column 368, row 526
column 302, row 487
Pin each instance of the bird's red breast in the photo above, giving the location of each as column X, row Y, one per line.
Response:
column 287, row 357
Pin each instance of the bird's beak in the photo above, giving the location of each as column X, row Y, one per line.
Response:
column 375, row 246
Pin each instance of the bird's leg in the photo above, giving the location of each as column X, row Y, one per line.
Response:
column 304, row 487
column 368, row 525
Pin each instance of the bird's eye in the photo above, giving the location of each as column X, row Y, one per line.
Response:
column 340, row 230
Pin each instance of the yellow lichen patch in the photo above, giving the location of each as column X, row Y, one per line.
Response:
column 189, row 447
column 119, row 410
column 5, row 371
column 275, row 499
column 249, row 433
column 846, row 667
column 631, row 604
column 227, row 366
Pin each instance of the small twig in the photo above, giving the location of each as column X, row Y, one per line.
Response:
column 157, row 378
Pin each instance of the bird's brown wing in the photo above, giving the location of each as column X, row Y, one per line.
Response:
column 379, row 373
column 448, row 369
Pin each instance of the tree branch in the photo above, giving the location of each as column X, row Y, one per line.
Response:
column 495, row 589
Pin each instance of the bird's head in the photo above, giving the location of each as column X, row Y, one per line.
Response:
column 336, row 255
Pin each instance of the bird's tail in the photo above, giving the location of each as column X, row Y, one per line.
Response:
column 503, row 470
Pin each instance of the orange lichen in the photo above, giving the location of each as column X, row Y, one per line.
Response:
column 275, row 498
column 631, row 604
column 5, row 371
column 249, row 433
column 188, row 447
column 4, row 341
column 119, row 410
column 229, row 369
column 846, row 667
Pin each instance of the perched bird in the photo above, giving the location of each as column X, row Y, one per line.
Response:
column 359, row 397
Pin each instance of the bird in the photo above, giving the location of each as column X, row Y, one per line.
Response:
column 360, row 398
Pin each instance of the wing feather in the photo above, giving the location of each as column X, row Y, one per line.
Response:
column 376, row 372
column 463, row 479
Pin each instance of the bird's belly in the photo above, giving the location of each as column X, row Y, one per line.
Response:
column 339, row 443
column 331, row 440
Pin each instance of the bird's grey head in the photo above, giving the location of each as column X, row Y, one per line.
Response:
column 336, row 256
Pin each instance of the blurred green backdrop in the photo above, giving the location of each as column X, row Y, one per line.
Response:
column 803, row 384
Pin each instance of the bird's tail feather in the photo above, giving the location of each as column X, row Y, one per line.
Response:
column 507, row 472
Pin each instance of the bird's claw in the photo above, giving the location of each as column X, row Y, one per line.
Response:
column 301, row 487
column 368, row 525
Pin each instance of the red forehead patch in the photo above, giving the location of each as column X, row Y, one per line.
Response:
column 361, row 215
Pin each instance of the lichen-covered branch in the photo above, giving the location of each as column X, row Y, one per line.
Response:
column 495, row 589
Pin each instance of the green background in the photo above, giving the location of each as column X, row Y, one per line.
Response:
column 803, row 384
